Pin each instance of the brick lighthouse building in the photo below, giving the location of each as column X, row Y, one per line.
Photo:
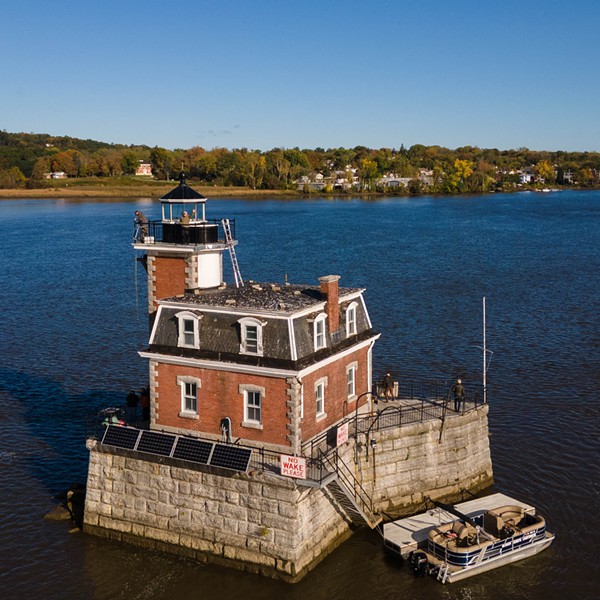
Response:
column 269, row 364
column 261, row 452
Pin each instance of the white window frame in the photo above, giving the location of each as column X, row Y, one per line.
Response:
column 183, row 381
column 248, row 391
column 351, row 371
column 182, row 319
column 320, row 332
column 351, row 328
column 245, row 347
column 320, row 394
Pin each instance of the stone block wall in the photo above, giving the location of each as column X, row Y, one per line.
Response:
column 413, row 462
column 272, row 525
column 258, row 522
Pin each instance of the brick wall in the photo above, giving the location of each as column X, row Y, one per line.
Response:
column 336, row 397
column 219, row 396
column 169, row 277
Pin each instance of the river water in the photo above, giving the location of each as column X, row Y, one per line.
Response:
column 73, row 315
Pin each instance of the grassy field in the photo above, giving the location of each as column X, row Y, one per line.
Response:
column 129, row 187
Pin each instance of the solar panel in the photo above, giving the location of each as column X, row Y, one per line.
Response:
column 154, row 442
column 121, row 437
column 231, row 457
column 193, row 450
column 202, row 452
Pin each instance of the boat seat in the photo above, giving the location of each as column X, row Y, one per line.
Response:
column 492, row 523
column 463, row 532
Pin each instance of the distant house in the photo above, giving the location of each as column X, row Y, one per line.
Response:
column 144, row 169
column 426, row 177
column 55, row 175
column 526, row 175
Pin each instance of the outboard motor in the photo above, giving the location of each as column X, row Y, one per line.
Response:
column 418, row 563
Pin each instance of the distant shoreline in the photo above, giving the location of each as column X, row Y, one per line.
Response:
column 154, row 191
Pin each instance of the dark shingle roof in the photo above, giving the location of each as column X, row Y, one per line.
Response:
column 263, row 296
column 183, row 192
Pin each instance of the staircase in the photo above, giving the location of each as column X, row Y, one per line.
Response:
column 348, row 494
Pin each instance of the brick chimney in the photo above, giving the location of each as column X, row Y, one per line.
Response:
column 330, row 290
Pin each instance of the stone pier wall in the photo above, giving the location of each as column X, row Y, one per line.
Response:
column 258, row 522
column 272, row 525
column 414, row 461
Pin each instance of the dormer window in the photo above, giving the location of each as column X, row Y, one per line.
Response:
column 351, row 319
column 188, row 330
column 319, row 332
column 251, row 336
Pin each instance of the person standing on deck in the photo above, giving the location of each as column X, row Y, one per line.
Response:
column 184, row 221
column 132, row 402
column 141, row 220
column 388, row 386
column 459, row 394
column 145, row 404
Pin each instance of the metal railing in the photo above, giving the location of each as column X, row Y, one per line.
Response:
column 414, row 402
column 154, row 231
column 321, row 453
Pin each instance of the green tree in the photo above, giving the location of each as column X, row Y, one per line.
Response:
column 368, row 172
column 129, row 162
column 161, row 163
column 12, row 178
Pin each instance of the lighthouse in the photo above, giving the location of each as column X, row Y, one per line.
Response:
column 184, row 250
column 272, row 364
column 262, row 451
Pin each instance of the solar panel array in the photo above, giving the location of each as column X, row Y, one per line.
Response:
column 202, row 452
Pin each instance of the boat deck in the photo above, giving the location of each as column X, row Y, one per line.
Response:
column 405, row 535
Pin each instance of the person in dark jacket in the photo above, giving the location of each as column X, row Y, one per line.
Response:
column 459, row 394
column 145, row 404
column 132, row 402
column 141, row 221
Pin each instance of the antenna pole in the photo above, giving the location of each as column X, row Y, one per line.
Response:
column 484, row 358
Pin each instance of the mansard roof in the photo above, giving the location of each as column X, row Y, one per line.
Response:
column 262, row 296
column 285, row 313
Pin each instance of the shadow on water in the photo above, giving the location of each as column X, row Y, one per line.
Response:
column 55, row 423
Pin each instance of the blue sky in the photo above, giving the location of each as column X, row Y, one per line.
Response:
column 276, row 73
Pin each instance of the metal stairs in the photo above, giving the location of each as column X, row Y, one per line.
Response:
column 348, row 494
column 239, row 282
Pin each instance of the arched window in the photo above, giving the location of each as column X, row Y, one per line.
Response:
column 188, row 330
column 251, row 336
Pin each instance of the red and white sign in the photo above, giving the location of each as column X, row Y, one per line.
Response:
column 342, row 434
column 293, row 466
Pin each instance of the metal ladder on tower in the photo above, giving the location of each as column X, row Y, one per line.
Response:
column 239, row 282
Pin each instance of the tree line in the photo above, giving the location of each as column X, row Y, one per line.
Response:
column 26, row 159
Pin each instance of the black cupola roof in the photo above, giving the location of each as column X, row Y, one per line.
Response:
column 183, row 191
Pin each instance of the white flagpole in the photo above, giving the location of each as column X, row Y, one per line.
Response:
column 484, row 358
